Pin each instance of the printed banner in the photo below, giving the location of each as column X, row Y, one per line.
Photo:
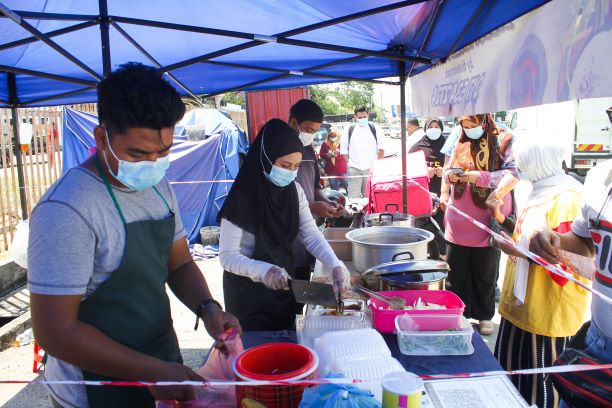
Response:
column 558, row 52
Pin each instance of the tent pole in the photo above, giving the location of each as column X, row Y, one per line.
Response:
column 12, row 88
column 50, row 34
column 402, row 85
column 104, row 37
column 46, row 75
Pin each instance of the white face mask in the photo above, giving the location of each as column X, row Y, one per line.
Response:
column 474, row 133
column 306, row 138
column 333, row 139
column 433, row 133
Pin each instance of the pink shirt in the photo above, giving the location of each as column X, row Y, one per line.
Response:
column 459, row 230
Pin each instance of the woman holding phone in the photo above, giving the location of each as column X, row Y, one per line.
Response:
column 483, row 155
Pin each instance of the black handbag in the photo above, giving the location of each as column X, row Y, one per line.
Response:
column 582, row 389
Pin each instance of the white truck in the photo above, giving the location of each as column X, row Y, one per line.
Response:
column 582, row 124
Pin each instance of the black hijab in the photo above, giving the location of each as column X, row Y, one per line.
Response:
column 433, row 155
column 431, row 148
column 254, row 203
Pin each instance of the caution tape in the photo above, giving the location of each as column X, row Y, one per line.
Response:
column 223, row 383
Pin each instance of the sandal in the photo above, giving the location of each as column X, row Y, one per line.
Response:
column 486, row 327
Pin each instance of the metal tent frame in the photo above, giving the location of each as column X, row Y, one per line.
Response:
column 105, row 22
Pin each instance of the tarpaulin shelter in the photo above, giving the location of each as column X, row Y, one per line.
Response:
column 55, row 51
column 193, row 165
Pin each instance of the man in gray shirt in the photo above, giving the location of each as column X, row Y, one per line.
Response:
column 104, row 242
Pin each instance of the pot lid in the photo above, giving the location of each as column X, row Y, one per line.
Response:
column 405, row 266
column 407, row 278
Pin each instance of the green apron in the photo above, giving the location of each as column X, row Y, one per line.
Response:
column 132, row 307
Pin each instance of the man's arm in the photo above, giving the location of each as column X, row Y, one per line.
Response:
column 381, row 153
column 545, row 244
column 188, row 284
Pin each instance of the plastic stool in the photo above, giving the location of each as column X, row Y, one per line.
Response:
column 40, row 358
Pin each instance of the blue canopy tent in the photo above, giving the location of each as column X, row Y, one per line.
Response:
column 192, row 164
column 55, row 52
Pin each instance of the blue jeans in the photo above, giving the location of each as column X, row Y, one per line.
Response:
column 335, row 183
column 597, row 345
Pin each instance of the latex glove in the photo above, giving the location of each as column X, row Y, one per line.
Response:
column 276, row 278
column 341, row 279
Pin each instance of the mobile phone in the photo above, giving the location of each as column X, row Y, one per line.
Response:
column 457, row 171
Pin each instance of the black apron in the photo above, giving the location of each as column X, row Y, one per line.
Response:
column 132, row 307
column 257, row 307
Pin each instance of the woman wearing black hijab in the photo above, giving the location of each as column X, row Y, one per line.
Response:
column 431, row 144
column 262, row 215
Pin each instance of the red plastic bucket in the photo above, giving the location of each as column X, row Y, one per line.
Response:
column 274, row 362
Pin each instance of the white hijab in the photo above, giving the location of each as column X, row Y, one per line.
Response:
column 538, row 159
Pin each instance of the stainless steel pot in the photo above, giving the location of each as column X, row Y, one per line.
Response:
column 387, row 218
column 375, row 245
column 406, row 275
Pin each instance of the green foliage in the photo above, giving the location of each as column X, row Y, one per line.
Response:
column 343, row 98
column 237, row 98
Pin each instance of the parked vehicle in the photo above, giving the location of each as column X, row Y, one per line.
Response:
column 582, row 124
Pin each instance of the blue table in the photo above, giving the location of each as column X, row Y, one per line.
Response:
column 481, row 360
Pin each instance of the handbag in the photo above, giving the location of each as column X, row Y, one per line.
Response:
column 582, row 389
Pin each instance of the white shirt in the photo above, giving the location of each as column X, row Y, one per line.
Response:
column 236, row 246
column 596, row 190
column 363, row 149
column 414, row 137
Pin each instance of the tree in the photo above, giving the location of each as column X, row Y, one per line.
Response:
column 337, row 99
column 325, row 97
column 236, row 98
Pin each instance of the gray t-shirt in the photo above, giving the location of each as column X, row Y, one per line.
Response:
column 77, row 240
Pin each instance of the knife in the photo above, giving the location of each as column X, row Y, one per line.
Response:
column 314, row 293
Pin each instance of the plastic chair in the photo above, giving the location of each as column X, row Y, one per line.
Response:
column 40, row 358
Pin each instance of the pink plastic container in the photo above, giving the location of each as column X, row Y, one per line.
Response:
column 383, row 318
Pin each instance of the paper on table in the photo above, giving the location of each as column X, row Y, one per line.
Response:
column 483, row 392
column 579, row 264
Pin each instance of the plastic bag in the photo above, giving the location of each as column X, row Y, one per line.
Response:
column 19, row 246
column 217, row 366
column 338, row 396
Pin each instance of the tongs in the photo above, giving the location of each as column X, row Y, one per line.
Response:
column 395, row 302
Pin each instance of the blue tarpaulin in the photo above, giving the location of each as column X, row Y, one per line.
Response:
column 54, row 48
column 192, row 164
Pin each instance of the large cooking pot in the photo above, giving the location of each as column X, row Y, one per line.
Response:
column 405, row 275
column 375, row 245
column 388, row 218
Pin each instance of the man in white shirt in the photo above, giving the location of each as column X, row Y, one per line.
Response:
column 415, row 132
column 361, row 145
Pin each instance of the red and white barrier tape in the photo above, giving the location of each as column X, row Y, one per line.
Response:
column 220, row 383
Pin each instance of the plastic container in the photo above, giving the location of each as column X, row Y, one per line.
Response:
column 210, row 235
column 402, row 389
column 451, row 335
column 383, row 318
column 316, row 324
column 274, row 361
column 355, row 344
column 370, row 370
column 337, row 240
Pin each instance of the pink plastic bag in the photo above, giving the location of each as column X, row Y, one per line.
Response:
column 217, row 367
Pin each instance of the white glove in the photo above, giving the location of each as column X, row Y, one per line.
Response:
column 341, row 279
column 276, row 278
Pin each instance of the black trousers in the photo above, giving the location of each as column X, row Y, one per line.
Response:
column 473, row 275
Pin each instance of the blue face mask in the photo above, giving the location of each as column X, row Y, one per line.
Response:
column 474, row 133
column 278, row 176
column 362, row 122
column 281, row 177
column 138, row 175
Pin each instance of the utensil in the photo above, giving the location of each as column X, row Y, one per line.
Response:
column 395, row 302
column 316, row 293
column 375, row 245
column 424, row 274
column 388, row 218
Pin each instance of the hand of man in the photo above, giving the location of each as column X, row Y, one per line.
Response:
column 323, row 209
column 217, row 322
column 175, row 372
column 545, row 244
column 439, row 171
column 341, row 279
column 276, row 278
column 431, row 171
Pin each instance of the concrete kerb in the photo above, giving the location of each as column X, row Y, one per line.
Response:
column 10, row 331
